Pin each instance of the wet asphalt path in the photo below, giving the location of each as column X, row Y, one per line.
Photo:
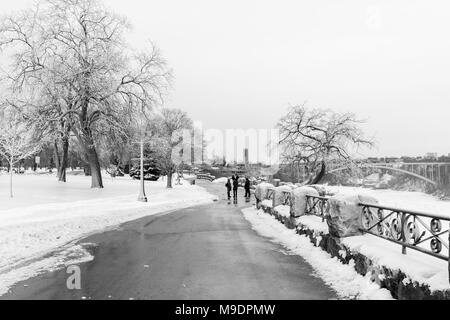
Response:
column 206, row 252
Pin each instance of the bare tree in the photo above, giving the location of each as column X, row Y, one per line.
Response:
column 79, row 47
column 17, row 141
column 315, row 138
column 167, row 135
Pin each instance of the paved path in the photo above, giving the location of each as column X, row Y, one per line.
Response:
column 207, row 252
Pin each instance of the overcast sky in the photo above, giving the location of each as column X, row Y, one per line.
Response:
column 240, row 64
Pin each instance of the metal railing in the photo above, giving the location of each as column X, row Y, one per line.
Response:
column 287, row 198
column 270, row 194
column 421, row 231
column 317, row 206
column 203, row 176
column 415, row 230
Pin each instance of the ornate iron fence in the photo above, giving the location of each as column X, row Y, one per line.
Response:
column 415, row 230
column 424, row 232
column 205, row 176
column 318, row 206
column 287, row 198
column 270, row 194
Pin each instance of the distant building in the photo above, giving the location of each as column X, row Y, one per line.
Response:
column 246, row 161
column 392, row 159
column 431, row 156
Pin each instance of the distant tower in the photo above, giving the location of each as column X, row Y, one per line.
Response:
column 246, row 161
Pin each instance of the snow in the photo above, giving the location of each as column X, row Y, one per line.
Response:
column 266, row 185
column 416, row 265
column 416, row 201
column 46, row 215
column 267, row 203
column 375, row 177
column 221, row 181
column 386, row 178
column 284, row 188
column 347, row 283
column 284, row 211
column 73, row 255
column 314, row 223
column 279, row 193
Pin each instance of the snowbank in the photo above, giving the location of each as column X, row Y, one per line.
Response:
column 261, row 190
column 284, row 211
column 342, row 278
column 47, row 215
column 416, row 265
column 221, row 181
column 416, row 201
column 299, row 199
column 278, row 194
column 267, row 203
column 313, row 223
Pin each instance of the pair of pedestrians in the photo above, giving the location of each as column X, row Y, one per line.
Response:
column 232, row 184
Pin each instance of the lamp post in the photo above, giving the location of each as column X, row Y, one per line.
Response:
column 142, row 196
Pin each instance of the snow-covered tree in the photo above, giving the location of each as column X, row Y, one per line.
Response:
column 315, row 138
column 17, row 141
column 79, row 48
column 167, row 130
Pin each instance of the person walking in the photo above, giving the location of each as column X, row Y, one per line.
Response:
column 235, row 187
column 229, row 187
column 247, row 188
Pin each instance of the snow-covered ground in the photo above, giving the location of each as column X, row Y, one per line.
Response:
column 221, row 181
column 314, row 223
column 267, row 203
column 347, row 283
column 416, row 201
column 47, row 216
column 284, row 211
column 416, row 265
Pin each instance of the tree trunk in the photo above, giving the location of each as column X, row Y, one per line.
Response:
column 87, row 143
column 56, row 155
column 11, row 172
column 86, row 140
column 321, row 174
column 62, row 168
column 94, row 165
column 169, row 179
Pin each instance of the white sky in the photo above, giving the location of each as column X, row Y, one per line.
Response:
column 239, row 64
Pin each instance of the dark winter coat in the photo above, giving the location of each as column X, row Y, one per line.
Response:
column 228, row 185
column 247, row 184
column 235, row 184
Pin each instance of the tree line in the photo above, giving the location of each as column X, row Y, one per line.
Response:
column 70, row 77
